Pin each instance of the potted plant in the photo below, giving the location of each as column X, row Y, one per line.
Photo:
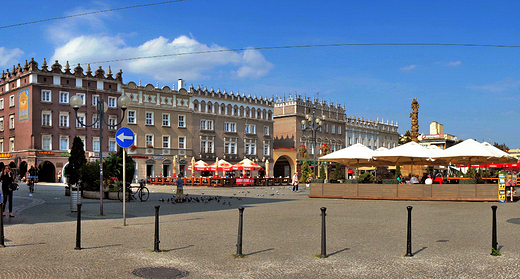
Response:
column 133, row 147
column 149, row 145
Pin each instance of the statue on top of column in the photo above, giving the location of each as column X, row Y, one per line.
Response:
column 415, row 120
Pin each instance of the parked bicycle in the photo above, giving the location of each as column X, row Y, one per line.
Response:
column 142, row 193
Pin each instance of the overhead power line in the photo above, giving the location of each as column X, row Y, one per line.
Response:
column 305, row 46
column 90, row 13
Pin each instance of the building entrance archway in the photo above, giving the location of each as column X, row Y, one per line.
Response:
column 282, row 167
column 47, row 172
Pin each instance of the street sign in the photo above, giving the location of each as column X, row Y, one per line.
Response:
column 125, row 137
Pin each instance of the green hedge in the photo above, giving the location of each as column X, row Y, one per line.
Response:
column 390, row 181
column 468, row 181
column 351, row 181
column 317, row 180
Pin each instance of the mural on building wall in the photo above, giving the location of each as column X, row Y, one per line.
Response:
column 23, row 105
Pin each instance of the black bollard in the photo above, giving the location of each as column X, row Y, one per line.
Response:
column 409, row 233
column 2, row 227
column 156, row 241
column 78, row 229
column 240, row 225
column 494, row 242
column 323, row 234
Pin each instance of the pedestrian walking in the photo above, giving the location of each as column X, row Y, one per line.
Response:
column 7, row 179
column 180, row 188
column 295, row 182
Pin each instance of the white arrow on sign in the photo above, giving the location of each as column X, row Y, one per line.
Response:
column 122, row 137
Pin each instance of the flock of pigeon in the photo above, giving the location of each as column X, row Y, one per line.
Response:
column 238, row 196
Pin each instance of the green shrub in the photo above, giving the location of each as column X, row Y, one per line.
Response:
column 90, row 176
column 468, row 181
column 351, row 181
column 366, row 177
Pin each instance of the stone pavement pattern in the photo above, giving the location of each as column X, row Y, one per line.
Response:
column 365, row 239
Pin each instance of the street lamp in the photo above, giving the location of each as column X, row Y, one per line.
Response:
column 101, row 108
column 313, row 124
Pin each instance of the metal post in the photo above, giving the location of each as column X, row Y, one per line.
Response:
column 409, row 233
column 323, row 234
column 100, row 119
column 494, row 242
column 2, row 244
column 156, row 240
column 78, row 229
column 124, row 187
column 240, row 224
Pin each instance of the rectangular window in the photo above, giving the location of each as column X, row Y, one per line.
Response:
column 182, row 121
column 47, row 142
column 95, row 144
column 266, row 130
column 64, row 142
column 149, row 118
column 112, row 121
column 82, row 96
column 11, row 144
column 267, row 147
column 11, row 122
column 339, row 130
column 1, row 145
column 249, row 147
column 149, row 141
column 64, row 119
column 83, row 140
column 166, row 141
column 95, row 100
column 206, row 144
column 131, row 117
column 326, row 128
column 1, row 124
column 64, row 97
column 333, row 129
column 80, row 119
column 46, row 118
column 230, row 127
column 182, row 142
column 250, row 129
column 230, row 145
column 166, row 120
column 206, row 125
column 112, row 146
column 46, row 96
column 2, row 103
column 94, row 120
column 11, row 101
column 112, row 101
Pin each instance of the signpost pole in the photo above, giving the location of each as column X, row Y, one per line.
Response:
column 124, row 138
column 124, row 187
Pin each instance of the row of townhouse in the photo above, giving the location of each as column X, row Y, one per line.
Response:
column 171, row 126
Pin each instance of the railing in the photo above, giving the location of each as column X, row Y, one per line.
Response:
column 217, row 181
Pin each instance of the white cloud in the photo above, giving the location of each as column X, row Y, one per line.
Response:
column 9, row 57
column 453, row 63
column 407, row 68
column 247, row 64
column 498, row 87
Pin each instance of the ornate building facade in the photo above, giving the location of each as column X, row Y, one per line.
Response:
column 371, row 133
column 37, row 124
column 174, row 126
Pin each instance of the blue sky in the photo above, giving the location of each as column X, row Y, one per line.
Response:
column 473, row 91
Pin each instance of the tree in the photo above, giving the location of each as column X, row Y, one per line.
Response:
column 338, row 173
column 406, row 138
column 397, row 171
column 113, row 166
column 77, row 159
column 306, row 172
column 322, row 171
column 502, row 146
column 470, row 172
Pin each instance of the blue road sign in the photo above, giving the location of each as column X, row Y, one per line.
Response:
column 125, row 137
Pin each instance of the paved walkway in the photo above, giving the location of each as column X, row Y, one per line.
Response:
column 365, row 239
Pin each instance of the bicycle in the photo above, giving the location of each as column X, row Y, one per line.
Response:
column 142, row 192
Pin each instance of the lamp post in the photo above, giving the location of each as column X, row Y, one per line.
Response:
column 313, row 124
column 101, row 108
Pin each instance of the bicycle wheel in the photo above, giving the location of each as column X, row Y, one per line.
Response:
column 144, row 194
column 120, row 195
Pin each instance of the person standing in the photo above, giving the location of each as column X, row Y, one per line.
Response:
column 295, row 182
column 7, row 179
column 180, row 188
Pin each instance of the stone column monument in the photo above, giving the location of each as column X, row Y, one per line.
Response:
column 415, row 120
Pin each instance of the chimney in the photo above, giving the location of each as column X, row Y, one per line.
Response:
column 180, row 85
